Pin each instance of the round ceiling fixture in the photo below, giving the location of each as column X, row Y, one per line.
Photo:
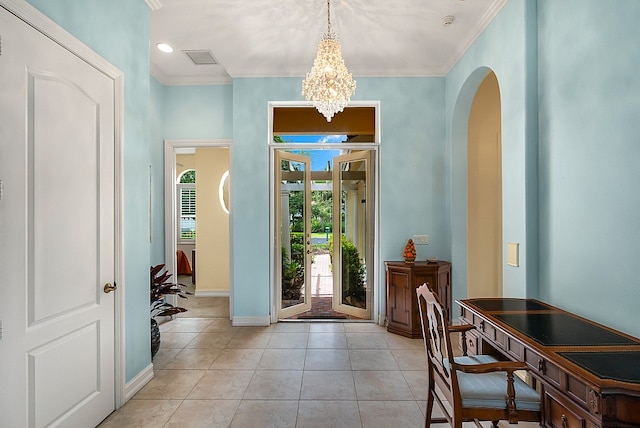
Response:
column 164, row 47
column 448, row 20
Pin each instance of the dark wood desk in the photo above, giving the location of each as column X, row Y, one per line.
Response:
column 589, row 374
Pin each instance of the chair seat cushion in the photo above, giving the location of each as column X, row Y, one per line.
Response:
column 490, row 389
column 468, row 360
column 475, row 359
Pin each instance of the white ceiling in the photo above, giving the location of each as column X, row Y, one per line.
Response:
column 279, row 38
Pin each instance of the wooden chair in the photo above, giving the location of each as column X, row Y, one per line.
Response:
column 478, row 387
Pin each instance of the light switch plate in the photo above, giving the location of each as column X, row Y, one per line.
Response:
column 512, row 253
column 421, row 239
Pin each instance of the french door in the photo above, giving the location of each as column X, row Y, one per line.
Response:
column 293, row 236
column 351, row 236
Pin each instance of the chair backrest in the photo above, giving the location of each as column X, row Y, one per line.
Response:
column 437, row 342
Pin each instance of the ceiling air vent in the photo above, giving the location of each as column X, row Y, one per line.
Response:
column 201, row 57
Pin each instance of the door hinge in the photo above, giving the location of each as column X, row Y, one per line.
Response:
column 0, row 44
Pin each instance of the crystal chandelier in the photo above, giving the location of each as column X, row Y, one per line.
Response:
column 329, row 84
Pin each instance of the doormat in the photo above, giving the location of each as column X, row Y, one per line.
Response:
column 322, row 317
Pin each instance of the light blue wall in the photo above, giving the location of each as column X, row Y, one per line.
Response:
column 570, row 152
column 412, row 175
column 198, row 112
column 118, row 30
column 182, row 113
column 508, row 48
column 589, row 81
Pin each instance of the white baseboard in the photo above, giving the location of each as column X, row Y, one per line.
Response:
column 251, row 321
column 136, row 384
column 212, row 293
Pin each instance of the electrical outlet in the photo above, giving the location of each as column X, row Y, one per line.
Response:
column 421, row 239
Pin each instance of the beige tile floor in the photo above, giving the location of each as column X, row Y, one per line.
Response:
column 208, row 373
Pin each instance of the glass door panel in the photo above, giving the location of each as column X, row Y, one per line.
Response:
column 352, row 230
column 293, row 236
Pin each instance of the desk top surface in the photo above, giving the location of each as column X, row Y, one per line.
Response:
column 561, row 329
column 585, row 343
column 620, row 366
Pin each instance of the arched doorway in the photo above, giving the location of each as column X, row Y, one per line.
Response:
column 484, row 192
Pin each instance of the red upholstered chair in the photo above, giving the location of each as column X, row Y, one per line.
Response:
column 477, row 387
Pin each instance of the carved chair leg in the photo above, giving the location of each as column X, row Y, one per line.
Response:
column 463, row 341
column 429, row 410
column 511, row 399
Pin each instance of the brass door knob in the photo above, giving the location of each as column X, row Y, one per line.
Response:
column 108, row 288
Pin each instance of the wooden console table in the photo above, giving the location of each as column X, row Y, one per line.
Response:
column 589, row 374
column 402, row 303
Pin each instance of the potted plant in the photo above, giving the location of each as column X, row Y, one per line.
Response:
column 354, row 292
column 160, row 286
column 292, row 280
column 292, row 276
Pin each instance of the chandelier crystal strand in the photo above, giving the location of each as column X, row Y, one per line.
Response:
column 329, row 85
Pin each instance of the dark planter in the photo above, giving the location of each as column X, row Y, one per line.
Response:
column 155, row 337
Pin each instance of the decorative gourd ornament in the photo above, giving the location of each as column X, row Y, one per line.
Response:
column 409, row 253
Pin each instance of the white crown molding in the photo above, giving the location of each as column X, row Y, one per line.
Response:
column 154, row 4
column 475, row 32
column 422, row 72
column 188, row 80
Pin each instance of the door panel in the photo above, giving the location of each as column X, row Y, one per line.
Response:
column 54, row 363
column 57, row 228
column 293, row 234
column 52, row 191
column 352, row 229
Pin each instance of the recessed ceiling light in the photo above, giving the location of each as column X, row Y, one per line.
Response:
column 164, row 47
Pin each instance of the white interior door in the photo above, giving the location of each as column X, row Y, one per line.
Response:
column 293, row 240
column 57, row 233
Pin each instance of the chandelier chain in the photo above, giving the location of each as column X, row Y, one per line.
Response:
column 329, row 85
column 328, row 16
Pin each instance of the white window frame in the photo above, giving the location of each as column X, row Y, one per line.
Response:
column 179, row 213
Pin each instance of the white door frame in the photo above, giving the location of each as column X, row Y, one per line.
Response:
column 170, row 217
column 378, row 289
column 44, row 24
